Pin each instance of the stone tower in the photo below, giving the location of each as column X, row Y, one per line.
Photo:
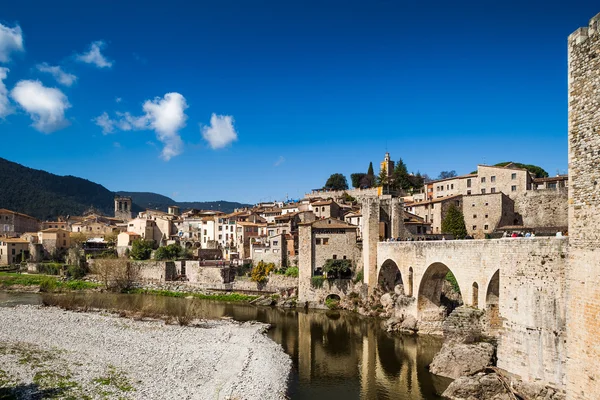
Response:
column 123, row 207
column 583, row 279
column 388, row 164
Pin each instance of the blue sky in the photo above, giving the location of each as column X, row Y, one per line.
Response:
column 255, row 100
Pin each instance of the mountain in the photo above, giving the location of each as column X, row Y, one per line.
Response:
column 147, row 200
column 46, row 196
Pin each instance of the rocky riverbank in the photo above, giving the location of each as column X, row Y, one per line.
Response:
column 46, row 351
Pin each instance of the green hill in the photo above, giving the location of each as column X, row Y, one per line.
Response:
column 46, row 196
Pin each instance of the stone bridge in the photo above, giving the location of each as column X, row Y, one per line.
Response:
column 520, row 282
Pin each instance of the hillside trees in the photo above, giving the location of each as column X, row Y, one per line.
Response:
column 336, row 182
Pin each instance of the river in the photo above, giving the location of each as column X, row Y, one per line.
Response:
column 336, row 355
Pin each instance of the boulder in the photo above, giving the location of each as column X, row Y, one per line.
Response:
column 263, row 301
column 392, row 324
column 458, row 359
column 387, row 301
column 399, row 290
column 478, row 387
column 409, row 324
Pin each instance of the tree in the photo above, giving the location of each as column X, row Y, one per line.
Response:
column 357, row 178
column 370, row 170
column 336, row 182
column 383, row 179
column 116, row 274
column 368, row 181
column 111, row 238
column 447, row 174
column 78, row 239
column 400, row 177
column 337, row 268
column 538, row 172
column 170, row 252
column 141, row 250
column 454, row 223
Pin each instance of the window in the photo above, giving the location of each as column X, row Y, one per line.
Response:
column 474, row 227
column 344, row 257
column 220, row 227
column 318, row 241
column 513, row 188
column 486, row 215
column 13, row 251
column 493, row 190
column 452, row 186
column 335, row 256
column 486, row 227
column 483, row 180
column 64, row 242
column 468, row 183
column 493, row 178
column 474, row 216
column 552, row 186
column 468, row 192
column 325, row 241
column 275, row 243
column 473, row 205
column 447, row 187
column 205, row 231
column 220, row 237
column 513, row 176
column 482, row 191
column 322, row 208
column 486, row 203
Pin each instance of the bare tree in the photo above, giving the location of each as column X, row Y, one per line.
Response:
column 116, row 274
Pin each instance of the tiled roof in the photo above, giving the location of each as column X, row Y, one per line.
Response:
column 5, row 211
column 332, row 223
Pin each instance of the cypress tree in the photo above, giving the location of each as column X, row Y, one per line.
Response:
column 454, row 223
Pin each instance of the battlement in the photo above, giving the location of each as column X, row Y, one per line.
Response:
column 582, row 34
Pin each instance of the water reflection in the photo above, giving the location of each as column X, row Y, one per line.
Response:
column 336, row 355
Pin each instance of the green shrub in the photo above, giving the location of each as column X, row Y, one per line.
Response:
column 337, row 268
column 260, row 273
column 75, row 272
column 332, row 304
column 359, row 276
column 50, row 268
column 317, row 281
column 452, row 279
column 140, row 250
column 292, row 271
column 48, row 285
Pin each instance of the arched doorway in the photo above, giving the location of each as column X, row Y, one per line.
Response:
column 492, row 302
column 389, row 276
column 475, row 298
column 439, row 294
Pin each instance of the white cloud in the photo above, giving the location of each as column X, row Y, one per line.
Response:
column 5, row 107
column 118, row 99
column 11, row 39
column 166, row 116
column 104, row 121
column 62, row 77
column 221, row 132
column 279, row 161
column 94, row 56
column 46, row 106
column 116, row 145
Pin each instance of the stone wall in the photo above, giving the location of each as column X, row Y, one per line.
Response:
column 531, row 299
column 339, row 194
column 583, row 375
column 206, row 275
column 543, row 208
column 485, row 212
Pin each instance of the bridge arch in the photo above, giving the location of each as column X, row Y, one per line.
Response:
column 435, row 302
column 492, row 301
column 389, row 276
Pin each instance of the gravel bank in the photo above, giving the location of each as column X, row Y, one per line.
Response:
column 51, row 352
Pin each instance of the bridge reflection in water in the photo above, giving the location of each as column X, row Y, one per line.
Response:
column 336, row 355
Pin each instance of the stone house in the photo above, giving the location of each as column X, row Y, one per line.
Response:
column 354, row 218
column 54, row 240
column 272, row 250
column 415, row 225
column 55, row 224
column 269, row 214
column 126, row 239
column 484, row 213
column 327, row 239
column 434, row 211
column 247, row 231
column 326, row 209
column 559, row 182
column 13, row 223
column 13, row 250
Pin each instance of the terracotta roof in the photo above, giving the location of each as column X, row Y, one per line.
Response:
column 323, row 203
column 244, row 223
column 332, row 223
column 53, row 230
column 14, row 240
column 551, row 179
column 132, row 233
column 438, row 200
column 5, row 211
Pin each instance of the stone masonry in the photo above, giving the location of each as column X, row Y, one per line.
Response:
column 583, row 314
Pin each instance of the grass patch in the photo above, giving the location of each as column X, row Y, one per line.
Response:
column 234, row 297
column 115, row 379
column 45, row 282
